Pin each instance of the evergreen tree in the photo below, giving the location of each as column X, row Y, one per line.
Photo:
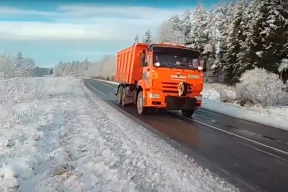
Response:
column 199, row 32
column 231, row 45
column 186, row 27
column 176, row 24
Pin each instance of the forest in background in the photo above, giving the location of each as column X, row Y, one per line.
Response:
column 232, row 37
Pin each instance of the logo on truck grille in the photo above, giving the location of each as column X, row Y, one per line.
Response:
column 178, row 76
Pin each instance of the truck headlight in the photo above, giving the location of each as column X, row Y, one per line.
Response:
column 200, row 68
column 157, row 64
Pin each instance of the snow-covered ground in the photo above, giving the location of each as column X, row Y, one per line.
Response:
column 54, row 138
column 275, row 117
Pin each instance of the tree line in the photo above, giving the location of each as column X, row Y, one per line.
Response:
column 106, row 68
column 20, row 66
column 232, row 37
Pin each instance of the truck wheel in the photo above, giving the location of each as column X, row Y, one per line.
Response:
column 123, row 95
column 187, row 113
column 139, row 103
column 119, row 94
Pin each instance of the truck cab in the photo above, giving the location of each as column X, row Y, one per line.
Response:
column 169, row 76
column 173, row 78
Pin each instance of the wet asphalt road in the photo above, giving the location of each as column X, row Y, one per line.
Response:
column 251, row 156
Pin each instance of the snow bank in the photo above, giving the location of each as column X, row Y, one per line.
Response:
column 55, row 139
column 215, row 94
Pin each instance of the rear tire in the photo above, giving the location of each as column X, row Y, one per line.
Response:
column 123, row 95
column 187, row 113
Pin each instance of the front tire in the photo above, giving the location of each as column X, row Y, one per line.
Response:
column 187, row 113
column 139, row 103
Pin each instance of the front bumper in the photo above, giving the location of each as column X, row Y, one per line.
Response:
column 181, row 103
column 172, row 102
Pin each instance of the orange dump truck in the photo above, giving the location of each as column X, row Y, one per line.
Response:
column 154, row 76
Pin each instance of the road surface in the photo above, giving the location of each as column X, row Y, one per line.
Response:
column 251, row 156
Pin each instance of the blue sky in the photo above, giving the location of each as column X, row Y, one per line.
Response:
column 50, row 31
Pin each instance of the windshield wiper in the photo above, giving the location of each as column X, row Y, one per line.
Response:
column 175, row 66
column 171, row 65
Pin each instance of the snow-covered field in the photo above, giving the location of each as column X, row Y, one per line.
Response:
column 275, row 117
column 53, row 138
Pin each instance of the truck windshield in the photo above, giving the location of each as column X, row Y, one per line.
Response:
column 176, row 58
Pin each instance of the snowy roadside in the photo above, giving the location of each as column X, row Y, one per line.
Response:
column 56, row 139
column 275, row 117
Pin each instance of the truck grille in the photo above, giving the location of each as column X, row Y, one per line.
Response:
column 172, row 88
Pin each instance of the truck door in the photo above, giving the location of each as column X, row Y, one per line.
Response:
column 146, row 71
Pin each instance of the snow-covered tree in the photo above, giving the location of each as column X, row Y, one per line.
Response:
column 217, row 23
column 136, row 39
column 199, row 31
column 283, row 68
column 177, row 25
column 74, row 68
column 176, row 29
column 233, row 37
column 17, row 66
column 7, row 66
column 186, row 26
column 167, row 33
column 267, row 35
column 147, row 37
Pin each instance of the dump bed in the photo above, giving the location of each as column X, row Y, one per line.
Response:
column 128, row 69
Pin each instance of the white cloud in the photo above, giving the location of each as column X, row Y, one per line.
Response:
column 121, row 12
column 12, row 11
column 84, row 22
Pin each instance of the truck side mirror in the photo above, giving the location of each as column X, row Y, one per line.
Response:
column 143, row 56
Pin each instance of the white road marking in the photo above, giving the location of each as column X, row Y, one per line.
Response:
column 244, row 138
column 96, row 90
column 263, row 151
column 106, row 85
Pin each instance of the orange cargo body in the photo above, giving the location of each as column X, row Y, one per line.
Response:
column 129, row 70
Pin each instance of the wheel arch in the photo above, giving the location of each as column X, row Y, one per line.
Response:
column 138, row 89
column 120, row 85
